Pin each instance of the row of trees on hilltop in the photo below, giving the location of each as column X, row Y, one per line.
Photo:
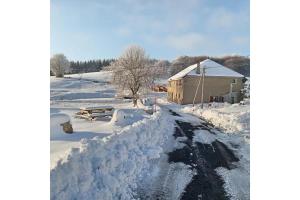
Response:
column 89, row 66
column 60, row 65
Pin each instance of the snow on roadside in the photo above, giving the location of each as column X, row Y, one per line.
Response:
column 179, row 179
column 231, row 118
column 109, row 168
column 237, row 180
column 125, row 117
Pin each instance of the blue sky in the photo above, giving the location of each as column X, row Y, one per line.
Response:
column 166, row 29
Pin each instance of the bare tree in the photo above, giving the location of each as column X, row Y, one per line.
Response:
column 59, row 64
column 162, row 68
column 132, row 71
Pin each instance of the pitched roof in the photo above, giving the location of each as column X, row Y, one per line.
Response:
column 211, row 69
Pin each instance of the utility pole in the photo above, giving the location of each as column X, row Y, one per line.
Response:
column 203, row 74
column 197, row 89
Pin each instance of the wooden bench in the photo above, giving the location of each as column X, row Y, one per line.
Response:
column 92, row 113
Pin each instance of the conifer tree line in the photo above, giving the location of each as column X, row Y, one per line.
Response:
column 89, row 66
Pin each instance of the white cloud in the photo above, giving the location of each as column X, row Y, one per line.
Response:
column 189, row 41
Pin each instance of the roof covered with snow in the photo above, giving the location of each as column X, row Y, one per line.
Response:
column 211, row 69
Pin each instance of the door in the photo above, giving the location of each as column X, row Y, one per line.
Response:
column 232, row 100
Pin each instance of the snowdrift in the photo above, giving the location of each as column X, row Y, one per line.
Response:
column 231, row 118
column 124, row 117
column 111, row 167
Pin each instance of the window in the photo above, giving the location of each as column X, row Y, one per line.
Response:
column 216, row 99
column 233, row 81
column 221, row 99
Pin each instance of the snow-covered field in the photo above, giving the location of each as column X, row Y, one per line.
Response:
column 69, row 94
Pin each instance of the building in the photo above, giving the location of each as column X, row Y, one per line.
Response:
column 221, row 84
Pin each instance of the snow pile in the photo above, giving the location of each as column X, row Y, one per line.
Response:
column 232, row 118
column 204, row 136
column 124, row 117
column 237, row 183
column 178, row 180
column 179, row 142
column 109, row 168
column 56, row 129
column 147, row 101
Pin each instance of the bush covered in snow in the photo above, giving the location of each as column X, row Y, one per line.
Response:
column 246, row 90
column 110, row 168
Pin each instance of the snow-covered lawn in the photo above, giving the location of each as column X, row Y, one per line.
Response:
column 69, row 94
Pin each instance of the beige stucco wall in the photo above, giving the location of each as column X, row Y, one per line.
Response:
column 175, row 91
column 213, row 86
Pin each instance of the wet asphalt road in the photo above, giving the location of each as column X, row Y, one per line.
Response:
column 204, row 158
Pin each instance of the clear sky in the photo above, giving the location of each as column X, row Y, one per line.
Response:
column 166, row 29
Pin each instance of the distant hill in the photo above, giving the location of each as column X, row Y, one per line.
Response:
column 240, row 64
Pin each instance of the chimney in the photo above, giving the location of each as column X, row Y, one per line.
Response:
column 198, row 68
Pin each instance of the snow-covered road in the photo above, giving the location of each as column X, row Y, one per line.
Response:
column 190, row 172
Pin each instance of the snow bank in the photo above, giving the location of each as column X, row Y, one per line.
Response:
column 232, row 118
column 178, row 180
column 109, row 168
column 237, row 181
column 56, row 130
column 124, row 117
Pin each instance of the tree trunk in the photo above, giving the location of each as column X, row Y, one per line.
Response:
column 134, row 97
column 134, row 100
column 59, row 75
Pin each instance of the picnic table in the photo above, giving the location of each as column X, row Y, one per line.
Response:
column 92, row 113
